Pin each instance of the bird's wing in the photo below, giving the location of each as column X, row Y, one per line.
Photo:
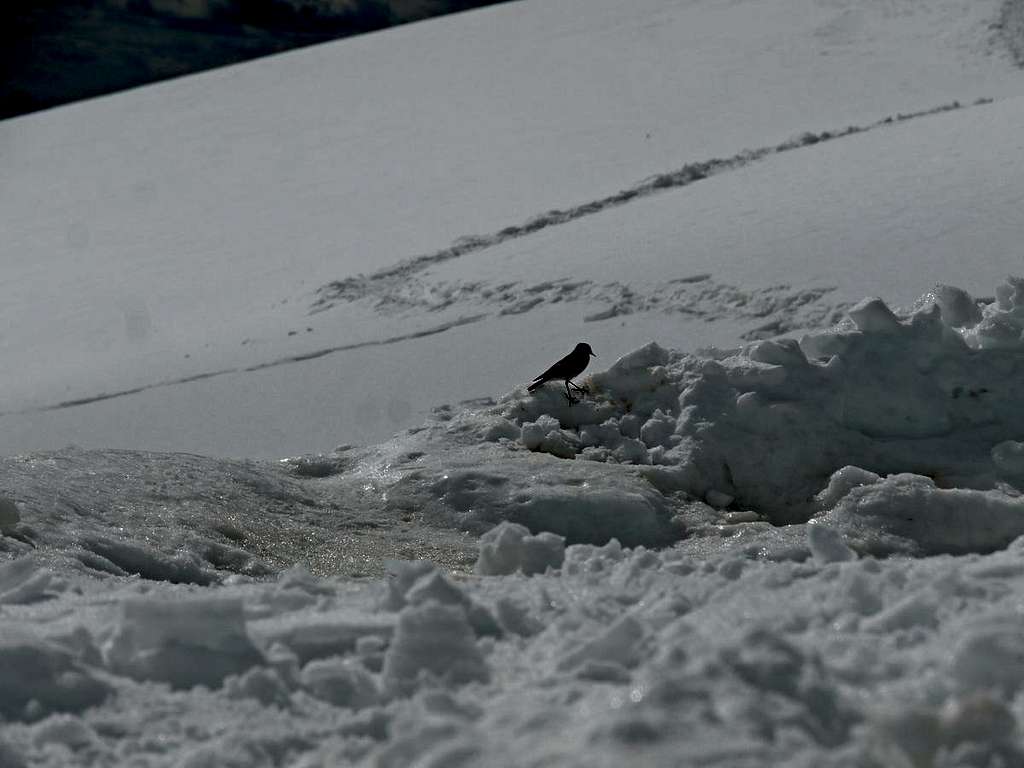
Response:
column 553, row 372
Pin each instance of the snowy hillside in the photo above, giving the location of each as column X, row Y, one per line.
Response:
column 172, row 241
column 782, row 528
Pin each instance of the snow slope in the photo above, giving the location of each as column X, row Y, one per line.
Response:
column 177, row 232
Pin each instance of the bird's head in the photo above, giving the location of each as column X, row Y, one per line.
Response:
column 584, row 347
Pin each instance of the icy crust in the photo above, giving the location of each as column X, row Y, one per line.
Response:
column 616, row 656
column 190, row 519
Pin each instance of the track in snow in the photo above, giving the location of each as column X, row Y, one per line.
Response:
column 387, row 286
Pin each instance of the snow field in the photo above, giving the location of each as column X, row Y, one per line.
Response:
column 795, row 552
column 879, row 627
column 163, row 245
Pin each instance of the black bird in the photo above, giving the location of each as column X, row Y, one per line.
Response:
column 565, row 369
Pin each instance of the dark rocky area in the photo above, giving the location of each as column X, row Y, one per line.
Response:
column 57, row 51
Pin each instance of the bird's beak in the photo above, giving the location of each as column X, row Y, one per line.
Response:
column 592, row 354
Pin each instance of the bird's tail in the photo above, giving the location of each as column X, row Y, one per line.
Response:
column 535, row 386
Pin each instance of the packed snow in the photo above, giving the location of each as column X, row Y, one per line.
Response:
column 800, row 552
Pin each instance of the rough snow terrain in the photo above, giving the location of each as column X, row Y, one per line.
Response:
column 782, row 528
column 880, row 626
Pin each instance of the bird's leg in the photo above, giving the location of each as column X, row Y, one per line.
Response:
column 578, row 388
column 568, row 395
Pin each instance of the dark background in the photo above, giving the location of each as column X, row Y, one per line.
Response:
column 56, row 51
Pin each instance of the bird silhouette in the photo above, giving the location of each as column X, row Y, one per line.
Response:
column 566, row 369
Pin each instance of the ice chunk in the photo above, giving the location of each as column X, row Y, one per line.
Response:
column 510, row 547
column 998, row 332
column 436, row 586
column 300, row 579
column 842, row 482
column 516, row 619
column 402, row 574
column 657, row 429
column 187, row 642
column 322, row 633
column 534, row 432
column 1002, row 321
column 593, row 515
column 435, row 640
column 778, row 352
column 908, row 513
column 583, row 501
column 24, row 581
column 827, row 544
column 259, row 683
column 957, row 307
column 629, row 426
column 632, row 451
column 873, row 316
column 340, row 682
column 618, row 644
column 647, row 356
column 559, row 443
column 501, row 428
column 604, row 435
column 1010, row 295
column 36, row 672
column 139, row 558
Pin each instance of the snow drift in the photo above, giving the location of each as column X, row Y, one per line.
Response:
column 861, row 422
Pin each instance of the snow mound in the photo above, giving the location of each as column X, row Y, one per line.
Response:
column 474, row 486
column 668, row 444
column 432, row 641
column 509, row 547
column 908, row 514
column 187, row 642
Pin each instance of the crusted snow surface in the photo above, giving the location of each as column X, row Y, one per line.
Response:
column 799, row 553
column 663, row 657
